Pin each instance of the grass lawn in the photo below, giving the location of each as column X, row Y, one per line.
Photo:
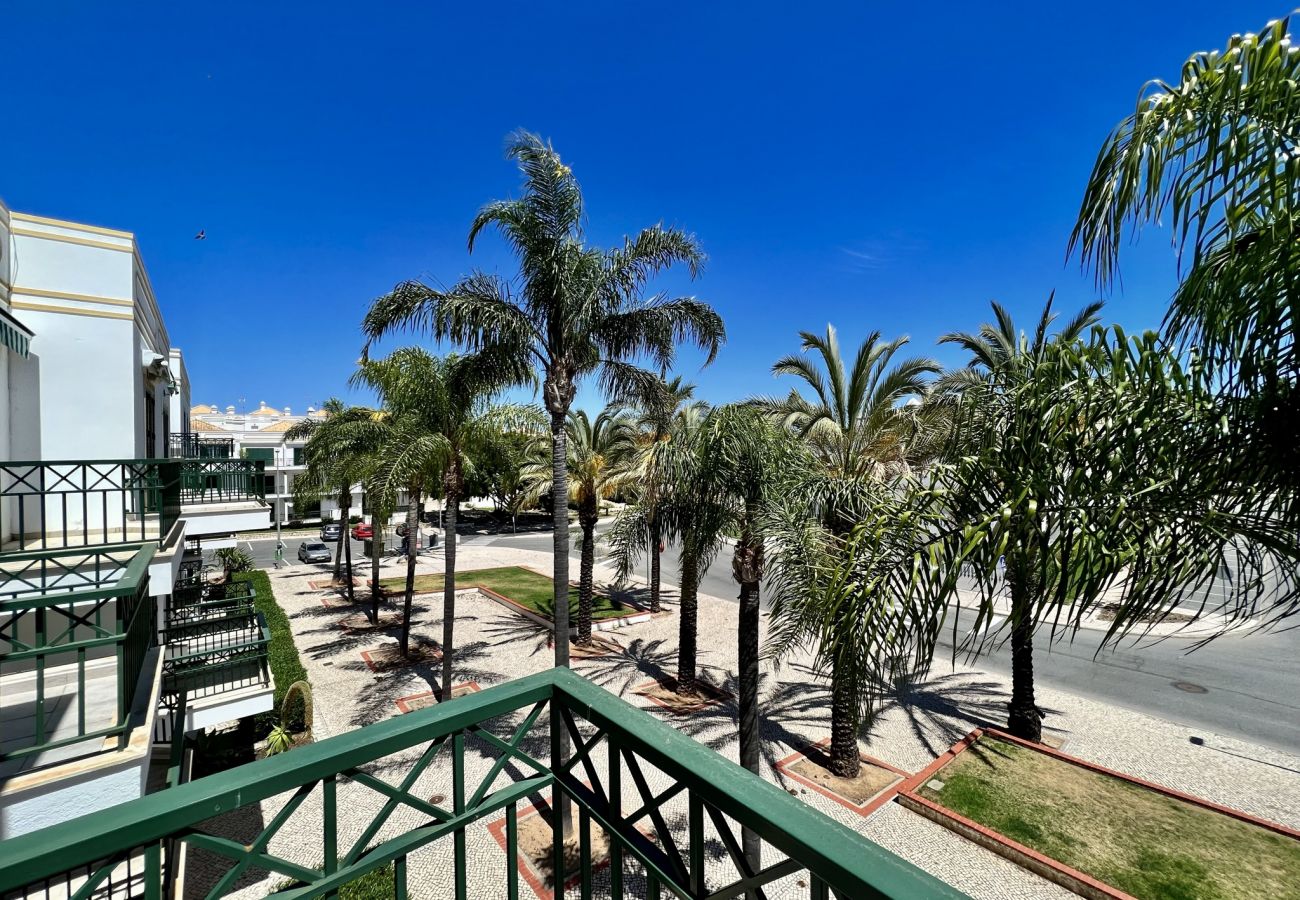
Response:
column 1131, row 838
column 520, row 585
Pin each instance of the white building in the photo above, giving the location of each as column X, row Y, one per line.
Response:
column 100, row 640
column 262, row 435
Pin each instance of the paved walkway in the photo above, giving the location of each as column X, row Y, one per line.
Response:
column 495, row 646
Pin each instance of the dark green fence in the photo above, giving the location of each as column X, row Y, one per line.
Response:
column 222, row 480
column 60, row 613
column 200, row 446
column 384, row 794
column 81, row 503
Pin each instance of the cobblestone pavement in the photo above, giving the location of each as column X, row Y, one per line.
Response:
column 495, row 645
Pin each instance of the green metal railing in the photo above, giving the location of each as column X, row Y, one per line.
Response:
column 197, row 600
column 60, row 612
column 670, row 806
column 222, row 480
column 82, row 503
column 223, row 652
column 199, row 446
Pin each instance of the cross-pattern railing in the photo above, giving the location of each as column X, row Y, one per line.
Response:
column 83, row 503
column 200, row 446
column 387, row 794
column 65, row 617
column 222, row 480
column 222, row 652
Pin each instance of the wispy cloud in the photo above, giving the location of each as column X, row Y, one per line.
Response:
column 871, row 254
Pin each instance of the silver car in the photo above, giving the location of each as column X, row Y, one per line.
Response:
column 313, row 551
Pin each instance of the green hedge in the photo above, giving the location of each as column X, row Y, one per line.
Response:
column 286, row 665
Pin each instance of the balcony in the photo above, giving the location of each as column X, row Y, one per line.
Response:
column 199, row 446
column 46, row 505
column 76, row 628
column 417, row 792
column 215, row 665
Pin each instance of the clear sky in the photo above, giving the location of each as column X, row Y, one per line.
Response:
column 876, row 165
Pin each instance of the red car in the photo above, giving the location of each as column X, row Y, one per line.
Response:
column 362, row 532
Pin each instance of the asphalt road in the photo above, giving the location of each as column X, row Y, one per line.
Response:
column 1250, row 682
column 1245, row 686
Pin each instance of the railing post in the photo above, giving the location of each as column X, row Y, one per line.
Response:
column 458, row 806
column 558, row 801
column 169, row 500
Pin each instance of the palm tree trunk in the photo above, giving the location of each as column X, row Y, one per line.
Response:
column 452, row 505
column 412, row 545
column 687, row 613
column 560, row 535
column 587, row 519
column 344, row 504
column 845, row 760
column 558, row 401
column 347, row 546
column 747, row 634
column 375, row 542
column 656, row 535
column 1024, row 718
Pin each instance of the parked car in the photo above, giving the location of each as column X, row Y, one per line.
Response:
column 330, row 531
column 313, row 552
column 362, row 532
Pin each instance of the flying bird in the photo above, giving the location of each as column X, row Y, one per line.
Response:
column 201, row 236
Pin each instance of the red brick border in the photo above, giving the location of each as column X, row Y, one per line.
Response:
column 863, row 809
column 470, row 687
column 1051, row 869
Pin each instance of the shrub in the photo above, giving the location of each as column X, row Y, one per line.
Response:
column 233, row 560
column 286, row 665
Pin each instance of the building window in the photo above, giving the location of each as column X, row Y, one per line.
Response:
column 268, row 482
column 266, row 454
column 150, row 430
column 297, row 456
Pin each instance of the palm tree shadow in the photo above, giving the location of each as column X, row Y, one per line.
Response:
column 508, row 629
column 944, row 709
column 620, row 672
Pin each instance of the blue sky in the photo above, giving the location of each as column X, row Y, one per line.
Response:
column 878, row 166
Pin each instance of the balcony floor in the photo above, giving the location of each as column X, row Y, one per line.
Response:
column 18, row 713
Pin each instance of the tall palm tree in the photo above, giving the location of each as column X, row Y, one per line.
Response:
column 573, row 311
column 597, row 452
column 858, row 423
column 440, row 421
column 338, row 451
column 997, row 388
column 667, row 413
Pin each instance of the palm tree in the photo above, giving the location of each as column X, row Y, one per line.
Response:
column 743, row 459
column 439, row 422
column 597, row 452
column 859, row 423
column 997, row 388
column 572, row 312
column 338, row 450
column 668, row 412
column 836, row 592
column 1215, row 156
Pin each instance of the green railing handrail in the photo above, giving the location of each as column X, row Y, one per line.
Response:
column 138, row 488
column 119, row 618
column 135, row 571
column 839, row 857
